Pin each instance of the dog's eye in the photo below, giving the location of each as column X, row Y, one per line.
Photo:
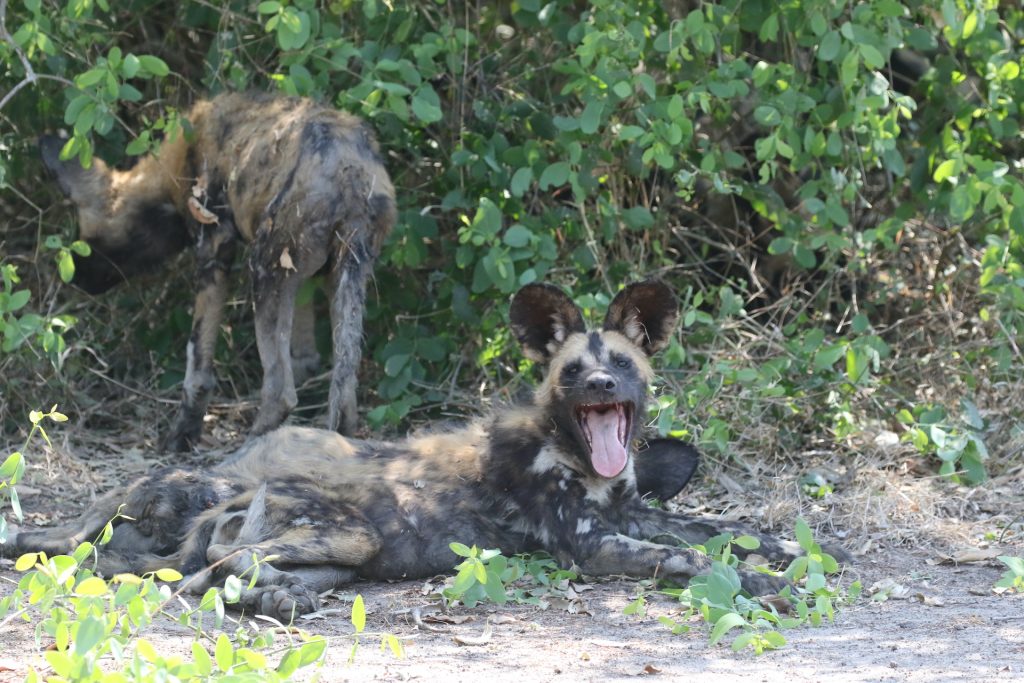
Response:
column 572, row 368
column 621, row 362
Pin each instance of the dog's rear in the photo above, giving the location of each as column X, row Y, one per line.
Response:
column 303, row 183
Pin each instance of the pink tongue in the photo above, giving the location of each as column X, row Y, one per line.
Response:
column 607, row 454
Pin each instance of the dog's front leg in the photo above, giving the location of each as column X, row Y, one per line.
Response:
column 653, row 523
column 620, row 554
column 214, row 255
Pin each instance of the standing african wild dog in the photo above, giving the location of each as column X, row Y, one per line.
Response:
column 559, row 475
column 302, row 183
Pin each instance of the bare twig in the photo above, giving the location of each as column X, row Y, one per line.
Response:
column 31, row 77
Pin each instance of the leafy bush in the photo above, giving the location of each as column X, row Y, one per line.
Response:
column 826, row 183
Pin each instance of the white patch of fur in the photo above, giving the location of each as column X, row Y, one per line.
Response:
column 550, row 459
column 634, row 330
column 599, row 490
column 192, row 381
column 583, row 526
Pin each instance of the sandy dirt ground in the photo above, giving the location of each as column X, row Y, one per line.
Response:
column 942, row 623
column 948, row 626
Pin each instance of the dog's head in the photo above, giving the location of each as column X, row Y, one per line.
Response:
column 596, row 388
column 125, row 217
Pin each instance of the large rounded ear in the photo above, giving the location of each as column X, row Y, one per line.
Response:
column 542, row 317
column 645, row 313
column 664, row 467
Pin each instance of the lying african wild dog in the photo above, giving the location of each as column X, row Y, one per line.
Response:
column 559, row 475
column 302, row 183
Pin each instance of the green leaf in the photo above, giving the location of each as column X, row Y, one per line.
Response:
column 66, row 266
column 767, row 115
column 269, row 7
column 856, row 364
column 358, row 614
column 1015, row 564
column 90, row 77
column 12, row 465
column 725, row 623
column 521, row 180
column 289, row 664
column 426, row 105
column 460, row 550
column 395, row 364
column 17, row 301
column 232, row 589
column 92, row 586
column 90, row 632
column 591, row 117
column 872, row 57
column 201, row 659
column 828, row 356
column 555, row 175
column 517, row 236
column 747, row 542
column 224, row 653
column 494, row 589
column 944, row 170
column 628, row 133
column 130, row 66
column 803, row 534
column 780, row 245
column 312, row 651
column 153, row 65
column 971, row 415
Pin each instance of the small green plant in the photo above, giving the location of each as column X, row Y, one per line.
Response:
column 14, row 465
column 18, row 328
column 487, row 575
column 358, row 618
column 1012, row 579
column 718, row 599
column 958, row 443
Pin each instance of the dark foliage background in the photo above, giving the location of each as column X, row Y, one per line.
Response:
column 834, row 189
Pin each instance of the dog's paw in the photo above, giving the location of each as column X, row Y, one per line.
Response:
column 284, row 603
column 9, row 548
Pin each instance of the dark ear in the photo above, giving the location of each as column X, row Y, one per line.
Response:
column 542, row 317
column 69, row 174
column 645, row 313
column 664, row 467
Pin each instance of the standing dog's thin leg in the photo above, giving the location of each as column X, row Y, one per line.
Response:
column 305, row 357
column 214, row 255
column 274, row 296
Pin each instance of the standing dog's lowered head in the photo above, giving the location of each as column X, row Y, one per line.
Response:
column 560, row 474
column 302, row 183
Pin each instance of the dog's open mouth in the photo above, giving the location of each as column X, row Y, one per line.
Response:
column 606, row 427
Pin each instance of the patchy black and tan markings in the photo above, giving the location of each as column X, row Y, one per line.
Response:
column 559, row 475
column 302, row 183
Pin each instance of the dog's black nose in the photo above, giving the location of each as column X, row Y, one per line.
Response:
column 599, row 381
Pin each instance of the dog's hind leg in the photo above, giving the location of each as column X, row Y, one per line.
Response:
column 317, row 554
column 274, row 294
